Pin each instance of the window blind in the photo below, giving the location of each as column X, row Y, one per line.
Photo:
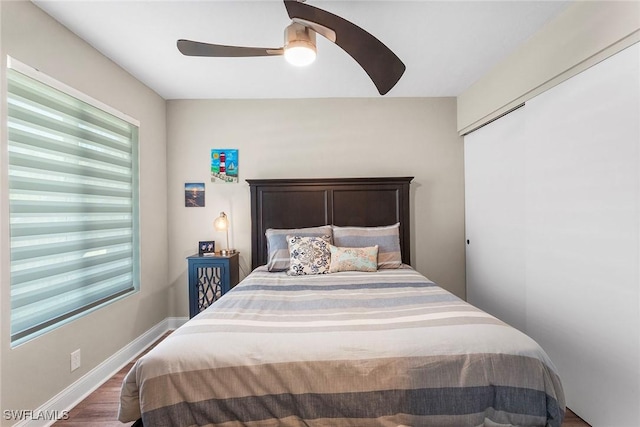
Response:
column 73, row 206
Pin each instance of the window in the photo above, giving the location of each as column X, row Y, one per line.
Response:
column 73, row 198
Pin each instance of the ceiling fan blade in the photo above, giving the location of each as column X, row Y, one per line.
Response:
column 191, row 48
column 380, row 63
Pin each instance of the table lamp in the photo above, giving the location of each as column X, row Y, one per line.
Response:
column 222, row 224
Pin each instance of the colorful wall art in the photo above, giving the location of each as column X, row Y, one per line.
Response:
column 224, row 165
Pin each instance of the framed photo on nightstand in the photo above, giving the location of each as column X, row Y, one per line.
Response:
column 207, row 247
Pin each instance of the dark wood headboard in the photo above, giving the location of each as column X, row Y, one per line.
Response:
column 298, row 203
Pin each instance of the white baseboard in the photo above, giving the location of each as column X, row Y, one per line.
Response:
column 64, row 401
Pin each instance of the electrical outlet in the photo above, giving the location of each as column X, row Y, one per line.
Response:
column 75, row 360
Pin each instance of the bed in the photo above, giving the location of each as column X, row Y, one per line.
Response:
column 360, row 346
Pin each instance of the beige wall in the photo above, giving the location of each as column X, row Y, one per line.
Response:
column 318, row 138
column 583, row 35
column 37, row 370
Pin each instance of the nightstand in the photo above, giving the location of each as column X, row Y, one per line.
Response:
column 210, row 277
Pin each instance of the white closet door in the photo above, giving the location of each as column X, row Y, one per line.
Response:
column 494, row 216
column 582, row 235
column 553, row 219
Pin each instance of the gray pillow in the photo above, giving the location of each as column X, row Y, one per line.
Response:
column 278, row 258
column 387, row 238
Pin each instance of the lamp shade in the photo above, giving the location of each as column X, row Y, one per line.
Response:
column 221, row 223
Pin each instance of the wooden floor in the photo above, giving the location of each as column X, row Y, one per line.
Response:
column 572, row 420
column 100, row 408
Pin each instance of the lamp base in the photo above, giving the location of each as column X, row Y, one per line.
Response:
column 227, row 252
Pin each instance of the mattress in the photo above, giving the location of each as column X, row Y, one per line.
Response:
column 387, row 348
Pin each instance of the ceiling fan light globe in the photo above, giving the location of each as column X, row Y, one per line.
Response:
column 299, row 44
column 300, row 55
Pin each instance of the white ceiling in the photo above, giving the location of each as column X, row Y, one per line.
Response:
column 446, row 45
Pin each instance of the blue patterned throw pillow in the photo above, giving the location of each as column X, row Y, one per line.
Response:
column 309, row 255
column 277, row 247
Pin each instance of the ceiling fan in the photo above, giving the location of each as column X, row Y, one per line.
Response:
column 378, row 61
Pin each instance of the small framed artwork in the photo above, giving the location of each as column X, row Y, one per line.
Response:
column 224, row 165
column 194, row 194
column 206, row 247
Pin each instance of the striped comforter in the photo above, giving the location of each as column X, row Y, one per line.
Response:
column 388, row 348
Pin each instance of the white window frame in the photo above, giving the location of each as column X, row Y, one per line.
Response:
column 20, row 336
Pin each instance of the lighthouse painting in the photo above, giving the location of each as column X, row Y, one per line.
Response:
column 224, row 165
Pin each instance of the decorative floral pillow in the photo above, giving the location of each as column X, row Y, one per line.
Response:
column 309, row 255
column 353, row 259
column 278, row 249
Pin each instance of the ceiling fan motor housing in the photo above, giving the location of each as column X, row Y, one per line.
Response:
column 299, row 44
